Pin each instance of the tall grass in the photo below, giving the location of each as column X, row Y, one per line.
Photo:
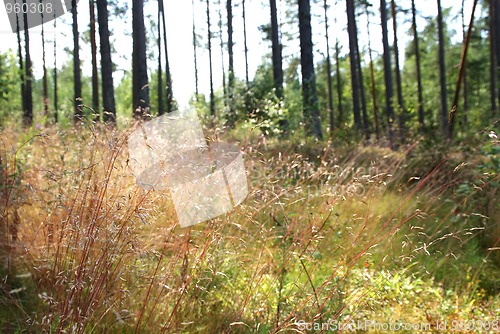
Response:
column 328, row 235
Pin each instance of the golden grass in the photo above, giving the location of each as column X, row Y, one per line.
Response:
column 325, row 235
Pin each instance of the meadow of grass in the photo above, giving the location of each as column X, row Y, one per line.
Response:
column 331, row 235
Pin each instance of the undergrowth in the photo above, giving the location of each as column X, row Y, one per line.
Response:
column 329, row 234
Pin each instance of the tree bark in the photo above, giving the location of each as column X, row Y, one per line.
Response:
column 170, row 94
column 496, row 5
column 230, row 81
column 420, row 98
column 339, row 83
column 56, row 97
column 309, row 94
column 21, row 65
column 399, row 85
column 372, row 77
column 461, row 67
column 221, row 42
column 493, row 75
column 389, row 90
column 140, row 89
column 44, row 66
column 95, row 75
column 108, row 91
column 276, row 51
column 465, row 83
column 351, row 29
column 247, row 96
column 160, row 67
column 28, row 76
column 361, row 86
column 77, row 79
column 442, row 71
column 329, row 71
column 197, row 92
column 212, row 99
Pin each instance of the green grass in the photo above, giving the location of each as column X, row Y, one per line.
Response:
column 341, row 234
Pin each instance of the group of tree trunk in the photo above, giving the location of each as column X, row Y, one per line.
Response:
column 395, row 113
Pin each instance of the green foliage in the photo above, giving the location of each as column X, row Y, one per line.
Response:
column 10, row 88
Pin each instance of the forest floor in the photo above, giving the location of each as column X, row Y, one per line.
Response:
column 331, row 236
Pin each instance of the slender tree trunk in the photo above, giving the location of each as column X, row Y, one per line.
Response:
column 329, row 71
column 351, row 28
column 389, row 90
column 56, row 98
column 442, row 71
column 496, row 6
column 465, row 85
column 28, row 91
column 362, row 93
column 21, row 64
column 195, row 53
column 339, row 83
column 247, row 96
column 230, row 82
column 44, row 67
column 140, row 79
column 399, row 85
column 77, row 81
column 461, row 67
column 170, row 94
column 493, row 75
column 420, row 98
column 221, row 40
column 108, row 91
column 95, row 75
column 160, row 69
column 276, row 50
column 309, row 94
column 212, row 99
column 372, row 77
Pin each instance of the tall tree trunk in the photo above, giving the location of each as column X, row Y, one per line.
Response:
column 160, row 69
column 493, row 75
column 28, row 76
column 465, row 84
column 420, row 98
column 44, row 66
column 276, row 50
column 372, row 77
column 56, row 97
column 230, row 81
column 21, row 64
column 140, row 89
column 309, row 94
column 247, row 96
column 496, row 5
column 329, row 71
column 389, row 90
column 442, row 71
column 77, row 80
column 399, row 85
column 221, row 41
column 108, row 91
column 170, row 94
column 195, row 54
column 95, row 75
column 362, row 93
column 339, row 83
column 209, row 33
column 351, row 29
column 461, row 67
